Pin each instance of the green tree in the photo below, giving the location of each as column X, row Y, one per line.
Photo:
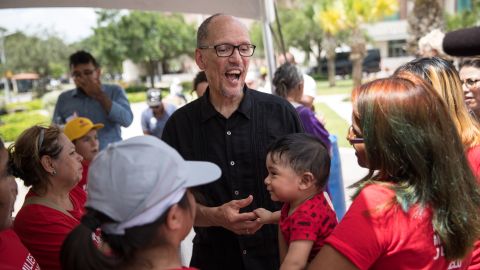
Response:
column 44, row 56
column 330, row 19
column 105, row 43
column 299, row 30
column 466, row 18
column 256, row 37
column 355, row 14
column 148, row 38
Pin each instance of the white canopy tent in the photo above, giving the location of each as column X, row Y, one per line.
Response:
column 261, row 10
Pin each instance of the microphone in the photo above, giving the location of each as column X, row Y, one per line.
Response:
column 463, row 42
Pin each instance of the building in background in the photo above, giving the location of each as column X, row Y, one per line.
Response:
column 390, row 35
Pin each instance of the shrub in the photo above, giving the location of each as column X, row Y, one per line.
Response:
column 32, row 105
column 136, row 97
column 15, row 123
column 136, row 88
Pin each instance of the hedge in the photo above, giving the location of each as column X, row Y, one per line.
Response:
column 13, row 124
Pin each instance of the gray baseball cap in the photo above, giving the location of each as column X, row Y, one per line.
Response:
column 154, row 97
column 136, row 180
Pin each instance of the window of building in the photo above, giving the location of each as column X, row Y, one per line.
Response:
column 463, row 5
column 396, row 48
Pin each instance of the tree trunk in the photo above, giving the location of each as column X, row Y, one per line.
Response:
column 331, row 71
column 357, row 72
column 330, row 43
column 425, row 16
column 357, row 54
column 151, row 73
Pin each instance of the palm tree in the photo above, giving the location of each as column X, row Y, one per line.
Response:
column 330, row 19
column 425, row 16
column 357, row 13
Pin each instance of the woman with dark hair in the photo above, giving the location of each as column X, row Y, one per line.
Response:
column 418, row 206
column 444, row 78
column 470, row 77
column 13, row 254
column 45, row 159
column 288, row 83
column 138, row 195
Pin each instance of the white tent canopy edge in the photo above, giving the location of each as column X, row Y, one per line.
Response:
column 261, row 10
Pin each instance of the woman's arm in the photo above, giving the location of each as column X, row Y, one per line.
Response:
column 330, row 258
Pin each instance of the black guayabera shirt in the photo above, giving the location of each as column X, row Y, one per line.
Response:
column 238, row 145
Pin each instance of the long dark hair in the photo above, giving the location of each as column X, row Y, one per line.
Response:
column 444, row 78
column 413, row 144
column 80, row 253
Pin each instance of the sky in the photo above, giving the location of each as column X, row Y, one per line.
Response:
column 72, row 24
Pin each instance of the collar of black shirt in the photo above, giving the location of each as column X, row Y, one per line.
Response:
column 208, row 111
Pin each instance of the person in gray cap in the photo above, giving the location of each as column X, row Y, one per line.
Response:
column 157, row 113
column 138, row 195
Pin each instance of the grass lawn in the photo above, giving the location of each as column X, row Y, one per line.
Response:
column 335, row 124
column 341, row 87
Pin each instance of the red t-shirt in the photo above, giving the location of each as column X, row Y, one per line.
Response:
column 84, row 181
column 13, row 254
column 475, row 263
column 376, row 233
column 313, row 220
column 43, row 229
column 473, row 156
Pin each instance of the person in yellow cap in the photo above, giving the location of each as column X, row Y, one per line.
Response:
column 83, row 134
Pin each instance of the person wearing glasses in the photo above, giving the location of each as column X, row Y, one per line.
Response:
column 231, row 126
column 46, row 160
column 157, row 113
column 101, row 103
column 418, row 206
column 13, row 254
column 470, row 77
column 444, row 78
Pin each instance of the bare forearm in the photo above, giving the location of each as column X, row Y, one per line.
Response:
column 206, row 216
column 292, row 265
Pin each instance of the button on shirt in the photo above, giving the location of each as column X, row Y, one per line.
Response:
column 238, row 146
column 76, row 102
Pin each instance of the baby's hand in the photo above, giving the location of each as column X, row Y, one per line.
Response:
column 266, row 217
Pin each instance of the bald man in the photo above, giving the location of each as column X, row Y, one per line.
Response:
column 232, row 126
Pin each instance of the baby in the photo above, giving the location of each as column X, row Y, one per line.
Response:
column 298, row 167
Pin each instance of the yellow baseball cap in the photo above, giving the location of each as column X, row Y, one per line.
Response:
column 79, row 127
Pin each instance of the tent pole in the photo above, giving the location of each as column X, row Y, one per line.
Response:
column 267, row 11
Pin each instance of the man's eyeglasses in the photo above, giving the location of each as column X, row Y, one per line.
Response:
column 469, row 83
column 352, row 138
column 86, row 73
column 226, row 50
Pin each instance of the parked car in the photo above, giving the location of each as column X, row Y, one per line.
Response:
column 343, row 65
